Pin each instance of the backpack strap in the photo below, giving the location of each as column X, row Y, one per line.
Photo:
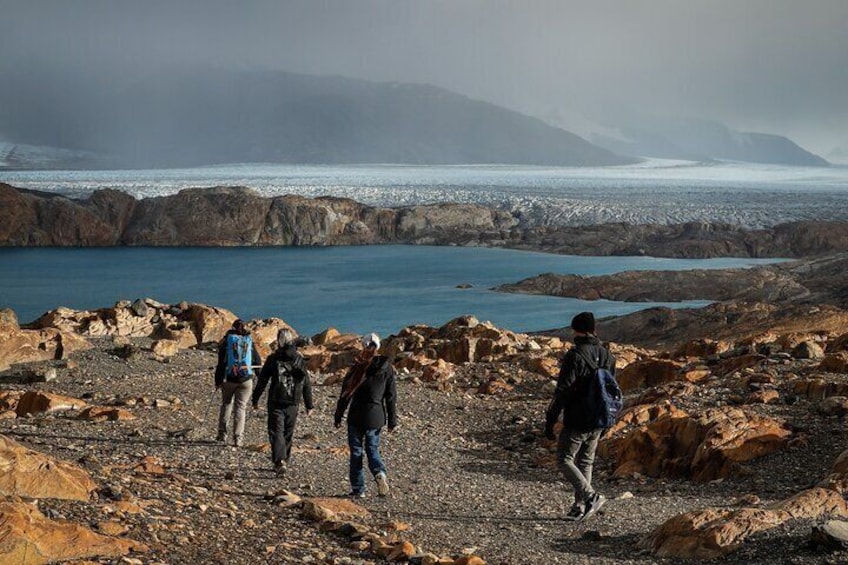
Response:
column 587, row 359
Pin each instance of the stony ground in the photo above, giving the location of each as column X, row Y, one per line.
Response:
column 468, row 473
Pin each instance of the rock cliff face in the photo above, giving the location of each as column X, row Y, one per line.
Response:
column 226, row 216
column 233, row 216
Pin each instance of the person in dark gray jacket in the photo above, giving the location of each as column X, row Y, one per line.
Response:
column 369, row 390
column 579, row 437
column 286, row 370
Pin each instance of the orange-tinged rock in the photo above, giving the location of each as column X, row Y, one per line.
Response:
column 165, row 347
column 26, row 346
column 696, row 375
column 27, row 537
column 9, row 399
column 325, row 337
column 701, row 348
column 835, row 362
column 734, row 436
column 738, row 363
column 264, row 333
column 495, row 386
column 209, row 323
column 439, row 371
column 707, row 447
column 401, row 552
column 644, row 413
column 112, row 528
column 30, row 474
column 648, row 372
column 38, row 402
column 764, row 396
column 103, row 413
column 713, row 533
column 320, row 509
column 545, row 366
column 149, row 465
column 469, row 560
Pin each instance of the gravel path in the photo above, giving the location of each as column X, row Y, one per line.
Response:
column 464, row 471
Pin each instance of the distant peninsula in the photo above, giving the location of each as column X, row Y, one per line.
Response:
column 238, row 216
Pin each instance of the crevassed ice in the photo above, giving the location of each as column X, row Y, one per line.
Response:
column 655, row 191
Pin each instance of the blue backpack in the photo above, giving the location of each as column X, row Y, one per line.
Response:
column 604, row 398
column 239, row 358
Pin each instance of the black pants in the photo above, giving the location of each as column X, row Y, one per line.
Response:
column 281, row 422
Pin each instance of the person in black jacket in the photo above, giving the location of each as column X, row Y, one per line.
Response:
column 235, row 383
column 290, row 382
column 579, row 437
column 369, row 388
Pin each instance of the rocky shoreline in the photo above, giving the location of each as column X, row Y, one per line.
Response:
column 728, row 448
column 238, row 216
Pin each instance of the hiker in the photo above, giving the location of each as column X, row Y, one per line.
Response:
column 237, row 355
column 576, row 400
column 369, row 388
column 285, row 368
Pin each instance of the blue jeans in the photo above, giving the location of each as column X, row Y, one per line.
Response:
column 369, row 441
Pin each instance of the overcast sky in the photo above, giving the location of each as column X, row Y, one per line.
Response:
column 776, row 66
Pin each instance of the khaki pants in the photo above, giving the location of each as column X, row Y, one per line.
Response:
column 575, row 458
column 240, row 393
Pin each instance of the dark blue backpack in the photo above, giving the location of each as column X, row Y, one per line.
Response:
column 239, row 358
column 603, row 398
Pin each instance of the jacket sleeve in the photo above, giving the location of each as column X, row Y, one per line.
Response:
column 222, row 361
column 390, row 398
column 565, row 382
column 341, row 405
column 268, row 370
column 307, row 384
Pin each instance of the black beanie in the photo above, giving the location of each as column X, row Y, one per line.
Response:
column 583, row 322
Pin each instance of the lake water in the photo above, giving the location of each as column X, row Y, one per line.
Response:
column 355, row 289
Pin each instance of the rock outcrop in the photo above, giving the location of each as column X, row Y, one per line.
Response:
column 27, row 537
column 232, row 216
column 29, row 474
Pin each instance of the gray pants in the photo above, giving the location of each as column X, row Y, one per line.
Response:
column 240, row 392
column 575, row 458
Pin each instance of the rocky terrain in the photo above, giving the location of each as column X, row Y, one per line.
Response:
column 728, row 447
column 228, row 216
column 785, row 296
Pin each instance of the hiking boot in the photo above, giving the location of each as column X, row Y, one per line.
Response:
column 280, row 469
column 382, row 484
column 221, row 438
column 593, row 504
column 575, row 514
column 354, row 494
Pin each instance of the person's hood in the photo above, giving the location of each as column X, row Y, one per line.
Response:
column 381, row 363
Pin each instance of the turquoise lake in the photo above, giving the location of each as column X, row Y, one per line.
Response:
column 354, row 289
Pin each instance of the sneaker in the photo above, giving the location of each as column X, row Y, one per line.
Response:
column 594, row 504
column 382, row 484
column 575, row 514
column 280, row 469
column 354, row 494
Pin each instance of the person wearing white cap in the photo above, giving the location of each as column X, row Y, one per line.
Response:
column 370, row 391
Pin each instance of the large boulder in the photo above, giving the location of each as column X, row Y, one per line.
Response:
column 715, row 532
column 30, row 474
column 28, row 345
column 39, row 402
column 209, row 323
column 27, row 537
column 264, row 333
column 704, row 448
column 648, row 373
